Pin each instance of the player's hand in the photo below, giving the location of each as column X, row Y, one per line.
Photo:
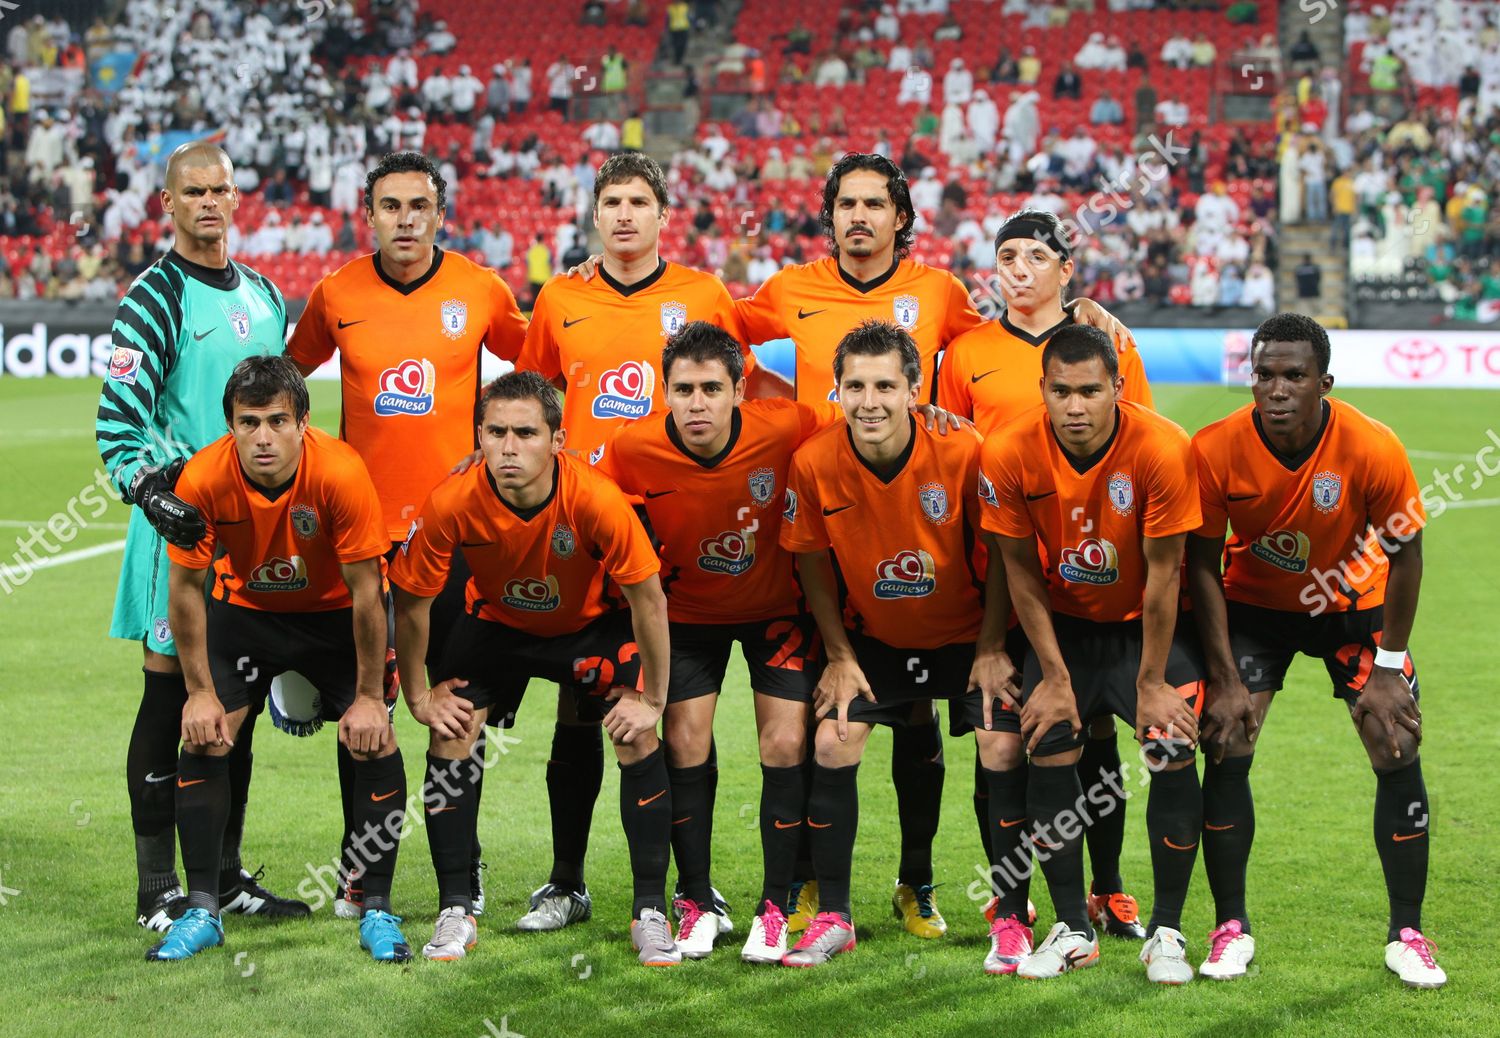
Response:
column 1161, row 713
column 1229, row 706
column 994, row 676
column 446, row 714
column 937, row 419
column 1051, row 703
column 366, row 726
column 203, row 720
column 1086, row 311
column 587, row 268
column 631, row 716
column 465, row 463
column 176, row 520
column 842, row 682
column 1387, row 699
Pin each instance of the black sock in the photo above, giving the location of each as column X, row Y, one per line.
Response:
column 1174, row 822
column 1099, row 765
column 646, row 814
column 379, row 812
column 783, row 803
column 481, row 747
column 1402, row 841
column 833, row 817
column 1228, row 832
column 153, row 753
column 575, row 771
column 691, row 832
column 202, row 810
column 1010, row 868
column 452, row 811
column 917, row 771
column 348, row 867
column 982, row 810
column 241, row 759
column 804, row 868
column 1052, row 792
column 711, row 788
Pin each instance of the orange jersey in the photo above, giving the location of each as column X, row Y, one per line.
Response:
column 992, row 373
column 283, row 551
column 817, row 304
column 719, row 520
column 409, row 360
column 908, row 548
column 1292, row 518
column 604, row 341
column 1090, row 523
column 541, row 571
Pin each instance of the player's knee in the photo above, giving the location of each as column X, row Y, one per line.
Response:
column 783, row 746
column 1383, row 758
column 637, row 749
column 686, row 746
column 832, row 752
column 1000, row 751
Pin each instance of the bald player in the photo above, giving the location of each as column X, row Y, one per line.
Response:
column 178, row 333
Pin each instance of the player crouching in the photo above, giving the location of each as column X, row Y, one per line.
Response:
column 541, row 532
column 297, row 587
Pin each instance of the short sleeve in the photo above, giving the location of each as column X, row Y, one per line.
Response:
column 954, row 392
column 1002, row 501
column 1211, row 501
column 758, row 315
column 1392, row 489
column 508, row 329
column 1137, row 389
column 539, row 351
column 359, row 530
column 960, row 315
column 421, row 565
column 802, row 527
column 311, row 344
column 1172, row 489
column 624, row 545
column 192, row 487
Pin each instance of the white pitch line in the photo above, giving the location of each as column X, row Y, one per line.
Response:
column 26, row 524
column 1486, row 502
column 15, row 577
column 1439, row 455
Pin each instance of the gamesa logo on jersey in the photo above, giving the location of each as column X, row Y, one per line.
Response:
column 406, row 388
column 934, row 500
column 239, row 320
column 1327, row 488
column 730, row 553
column 625, row 392
column 455, row 313
column 911, row 574
column 906, row 310
column 532, row 595
column 673, row 317
column 762, row 486
column 1095, row 561
column 1284, row 549
column 279, row 574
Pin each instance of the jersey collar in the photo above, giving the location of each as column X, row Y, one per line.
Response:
column 887, row 474
column 524, row 514
column 1082, row 465
column 408, row 289
column 866, row 287
column 708, row 463
column 225, row 278
column 1038, row 339
column 639, row 286
column 1293, row 462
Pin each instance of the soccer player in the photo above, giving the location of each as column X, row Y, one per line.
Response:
column 1089, row 499
column 991, row 374
column 896, row 509
column 1325, row 559
column 408, row 323
column 179, row 332
column 295, row 524
column 600, row 340
column 542, row 532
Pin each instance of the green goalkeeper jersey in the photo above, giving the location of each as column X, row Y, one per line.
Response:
column 177, row 336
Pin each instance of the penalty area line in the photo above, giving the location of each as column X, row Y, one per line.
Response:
column 11, row 574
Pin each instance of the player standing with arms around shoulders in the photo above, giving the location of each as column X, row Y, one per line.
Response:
column 295, row 522
column 179, row 332
column 1325, row 559
column 543, row 535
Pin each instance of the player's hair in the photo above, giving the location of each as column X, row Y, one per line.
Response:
column 1079, row 344
column 703, row 342
column 895, row 184
column 522, row 385
column 874, row 338
column 257, row 381
column 1039, row 225
column 627, row 165
column 196, row 153
column 405, row 162
column 1290, row 327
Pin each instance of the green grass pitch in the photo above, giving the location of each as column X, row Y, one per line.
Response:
column 74, row 959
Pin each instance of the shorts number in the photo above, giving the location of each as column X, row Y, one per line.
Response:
column 598, row 673
column 786, row 657
column 1347, row 656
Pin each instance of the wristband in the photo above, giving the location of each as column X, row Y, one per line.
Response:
column 1390, row 658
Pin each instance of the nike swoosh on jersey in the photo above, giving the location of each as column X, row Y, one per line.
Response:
column 1241, row 497
column 230, row 522
column 200, row 336
column 350, row 324
column 803, row 315
column 658, row 493
column 1038, row 497
column 834, row 511
column 475, row 544
column 976, row 378
column 568, row 324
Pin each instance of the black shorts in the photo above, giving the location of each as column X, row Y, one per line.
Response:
column 901, row 677
column 1103, row 661
column 248, row 647
column 1265, row 640
column 784, row 656
column 499, row 661
column 962, row 719
column 447, row 606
